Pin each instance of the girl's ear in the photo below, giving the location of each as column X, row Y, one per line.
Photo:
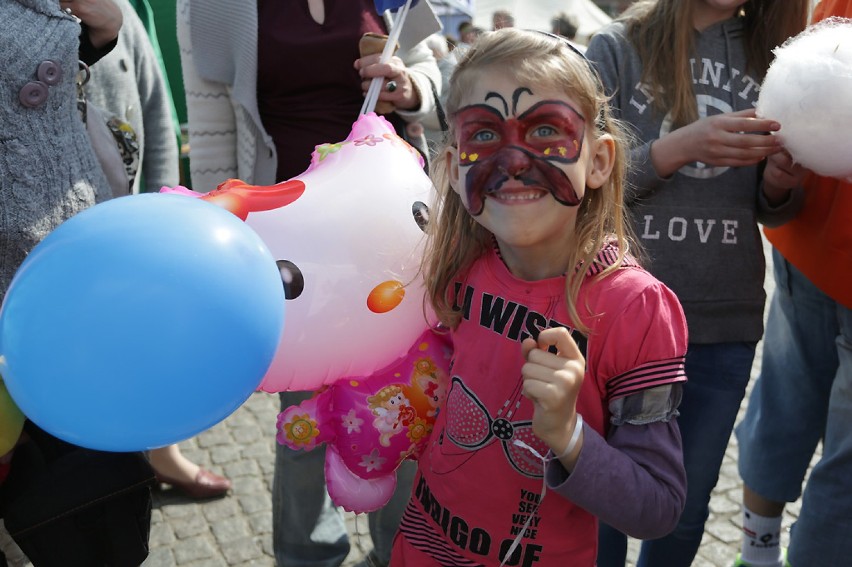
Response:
column 451, row 162
column 601, row 161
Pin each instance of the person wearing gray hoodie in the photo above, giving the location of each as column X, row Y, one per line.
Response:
column 685, row 76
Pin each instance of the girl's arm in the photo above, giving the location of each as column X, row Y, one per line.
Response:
column 635, row 481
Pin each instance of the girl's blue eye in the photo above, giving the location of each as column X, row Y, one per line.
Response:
column 484, row 136
column 545, row 131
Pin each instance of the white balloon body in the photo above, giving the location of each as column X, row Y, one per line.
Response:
column 353, row 229
column 808, row 90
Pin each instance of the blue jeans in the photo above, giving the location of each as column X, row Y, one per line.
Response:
column 307, row 528
column 717, row 376
column 804, row 394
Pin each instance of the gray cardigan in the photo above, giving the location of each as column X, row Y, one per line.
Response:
column 128, row 83
column 48, row 170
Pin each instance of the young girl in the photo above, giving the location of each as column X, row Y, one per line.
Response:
column 686, row 75
column 568, row 357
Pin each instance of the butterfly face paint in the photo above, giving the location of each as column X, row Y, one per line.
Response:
column 498, row 144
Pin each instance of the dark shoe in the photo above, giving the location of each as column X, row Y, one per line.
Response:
column 205, row 485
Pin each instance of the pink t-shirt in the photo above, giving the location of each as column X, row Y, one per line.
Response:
column 476, row 489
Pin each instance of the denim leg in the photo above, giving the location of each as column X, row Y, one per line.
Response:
column 717, row 376
column 307, row 528
column 384, row 522
column 786, row 413
column 825, row 521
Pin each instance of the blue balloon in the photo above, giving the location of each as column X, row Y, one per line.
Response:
column 140, row 322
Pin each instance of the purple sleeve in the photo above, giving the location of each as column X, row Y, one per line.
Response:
column 634, row 482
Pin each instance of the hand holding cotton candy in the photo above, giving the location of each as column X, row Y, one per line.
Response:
column 808, row 90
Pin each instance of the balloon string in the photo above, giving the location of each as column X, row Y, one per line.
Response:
column 521, row 533
column 375, row 88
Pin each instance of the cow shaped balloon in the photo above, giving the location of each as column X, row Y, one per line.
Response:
column 347, row 235
column 371, row 424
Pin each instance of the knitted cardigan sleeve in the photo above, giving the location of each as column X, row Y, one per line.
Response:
column 213, row 129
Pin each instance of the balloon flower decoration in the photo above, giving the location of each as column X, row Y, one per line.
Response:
column 140, row 322
column 372, row 424
column 808, row 90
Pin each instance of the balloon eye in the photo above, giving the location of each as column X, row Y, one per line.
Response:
column 292, row 278
column 421, row 214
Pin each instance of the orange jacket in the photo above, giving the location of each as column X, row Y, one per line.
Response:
column 819, row 240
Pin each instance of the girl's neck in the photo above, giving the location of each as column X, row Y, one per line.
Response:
column 536, row 263
column 704, row 15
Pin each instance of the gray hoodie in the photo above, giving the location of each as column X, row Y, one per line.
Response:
column 699, row 226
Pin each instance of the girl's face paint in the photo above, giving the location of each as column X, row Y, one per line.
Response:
column 521, row 165
column 533, row 141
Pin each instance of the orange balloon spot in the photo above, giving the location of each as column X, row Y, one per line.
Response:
column 385, row 296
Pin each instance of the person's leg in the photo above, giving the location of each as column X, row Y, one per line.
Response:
column 825, row 521
column 172, row 467
column 307, row 528
column 717, row 376
column 612, row 546
column 384, row 522
column 786, row 412
column 10, row 554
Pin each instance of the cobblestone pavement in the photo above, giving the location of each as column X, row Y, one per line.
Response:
column 236, row 530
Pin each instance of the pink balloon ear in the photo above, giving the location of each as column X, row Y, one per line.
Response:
column 351, row 492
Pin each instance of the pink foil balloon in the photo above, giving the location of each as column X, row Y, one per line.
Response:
column 372, row 424
column 347, row 235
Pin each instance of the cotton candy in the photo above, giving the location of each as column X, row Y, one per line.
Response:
column 808, row 90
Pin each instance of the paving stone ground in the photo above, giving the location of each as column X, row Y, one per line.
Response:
column 236, row 530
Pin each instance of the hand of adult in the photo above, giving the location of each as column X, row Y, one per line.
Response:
column 102, row 18
column 398, row 88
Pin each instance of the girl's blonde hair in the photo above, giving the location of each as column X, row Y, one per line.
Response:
column 456, row 240
column 663, row 35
